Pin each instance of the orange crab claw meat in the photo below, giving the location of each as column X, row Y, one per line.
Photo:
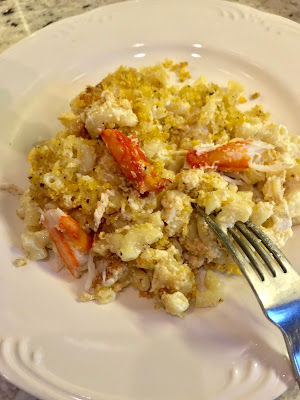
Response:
column 77, row 237
column 230, row 157
column 133, row 162
column 70, row 240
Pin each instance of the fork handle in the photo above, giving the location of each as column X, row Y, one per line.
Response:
column 292, row 340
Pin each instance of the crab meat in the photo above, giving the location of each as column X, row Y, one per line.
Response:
column 133, row 162
column 70, row 240
column 229, row 157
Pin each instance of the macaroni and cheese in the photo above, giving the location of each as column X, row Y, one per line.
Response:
column 112, row 193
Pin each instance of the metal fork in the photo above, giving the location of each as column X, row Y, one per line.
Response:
column 273, row 280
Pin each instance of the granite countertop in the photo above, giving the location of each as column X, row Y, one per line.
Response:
column 20, row 18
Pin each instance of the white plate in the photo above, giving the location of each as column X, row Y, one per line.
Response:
column 57, row 348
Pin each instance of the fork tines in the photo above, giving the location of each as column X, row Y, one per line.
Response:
column 273, row 280
column 259, row 244
column 264, row 256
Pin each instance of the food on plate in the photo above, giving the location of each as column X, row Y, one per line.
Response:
column 229, row 157
column 111, row 195
column 132, row 161
column 72, row 242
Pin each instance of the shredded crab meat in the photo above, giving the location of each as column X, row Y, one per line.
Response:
column 12, row 189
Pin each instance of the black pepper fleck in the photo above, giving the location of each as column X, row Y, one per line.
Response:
column 291, row 15
column 87, row 200
column 86, row 6
column 8, row 12
column 14, row 24
column 42, row 185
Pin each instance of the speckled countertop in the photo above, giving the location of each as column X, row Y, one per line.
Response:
column 20, row 18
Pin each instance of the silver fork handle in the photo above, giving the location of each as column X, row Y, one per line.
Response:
column 292, row 340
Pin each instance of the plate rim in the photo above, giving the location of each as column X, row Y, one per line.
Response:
column 52, row 27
